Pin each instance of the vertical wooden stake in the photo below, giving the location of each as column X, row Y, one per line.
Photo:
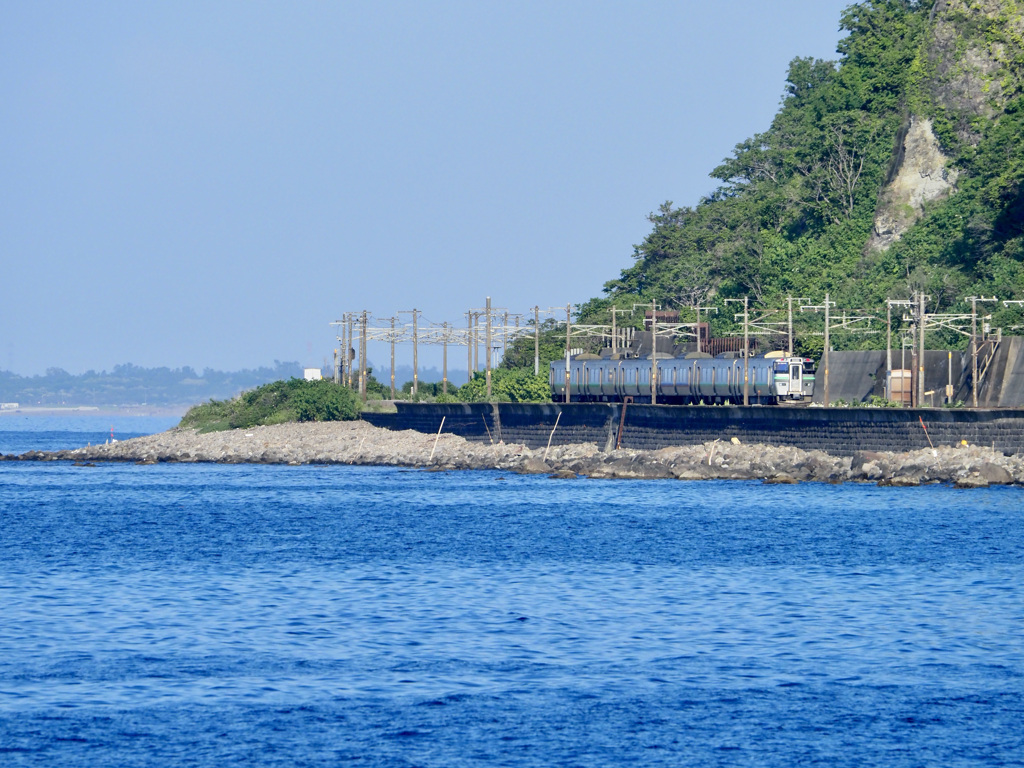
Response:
column 551, row 436
column 435, row 441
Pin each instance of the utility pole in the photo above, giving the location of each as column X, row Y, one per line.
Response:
column 614, row 333
column 444, row 357
column 515, row 336
column 615, row 330
column 746, row 347
column 654, row 353
column 697, row 309
column 392, row 358
column 974, row 345
column 789, row 301
column 476, row 342
column 344, row 348
column 337, row 373
column 469, row 343
column 488, row 355
column 888, row 350
column 362, row 358
column 351, row 348
column 536, row 340
column 920, row 362
column 747, row 351
column 974, row 351
column 568, row 336
column 789, row 348
column 824, row 357
column 487, row 310
column 415, row 348
column 828, row 343
column 889, row 304
column 504, row 333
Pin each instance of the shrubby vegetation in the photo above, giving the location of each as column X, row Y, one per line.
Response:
column 508, row 385
column 276, row 403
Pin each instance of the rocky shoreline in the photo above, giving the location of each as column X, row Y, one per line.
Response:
column 359, row 443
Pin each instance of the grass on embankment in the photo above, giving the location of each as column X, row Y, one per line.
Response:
column 275, row 403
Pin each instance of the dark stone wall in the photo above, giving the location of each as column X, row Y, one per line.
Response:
column 839, row 431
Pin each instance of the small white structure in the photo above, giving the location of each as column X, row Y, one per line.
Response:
column 8, row 406
column 312, row 374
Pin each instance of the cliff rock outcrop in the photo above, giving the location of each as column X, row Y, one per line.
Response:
column 924, row 174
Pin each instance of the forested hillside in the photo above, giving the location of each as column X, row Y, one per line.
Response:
column 896, row 168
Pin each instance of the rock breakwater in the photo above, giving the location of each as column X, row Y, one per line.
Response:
column 358, row 443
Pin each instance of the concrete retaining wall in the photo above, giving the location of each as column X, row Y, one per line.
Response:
column 840, row 431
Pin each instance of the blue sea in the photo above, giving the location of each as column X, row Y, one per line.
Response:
column 197, row 615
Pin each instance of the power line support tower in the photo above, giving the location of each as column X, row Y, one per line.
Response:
column 568, row 337
column 392, row 358
column 746, row 346
column 444, row 358
column 536, row 340
column 487, row 356
column 920, row 360
column 362, row 357
column 654, row 353
column 827, row 306
column 789, row 302
column 415, row 348
column 974, row 345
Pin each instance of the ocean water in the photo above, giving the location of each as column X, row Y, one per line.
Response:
column 310, row 616
column 21, row 432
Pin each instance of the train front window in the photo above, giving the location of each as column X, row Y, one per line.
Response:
column 795, row 375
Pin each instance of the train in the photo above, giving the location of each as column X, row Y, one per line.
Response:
column 772, row 380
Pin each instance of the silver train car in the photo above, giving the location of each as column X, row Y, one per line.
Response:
column 681, row 381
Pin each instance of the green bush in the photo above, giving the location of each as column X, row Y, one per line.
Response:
column 507, row 386
column 276, row 403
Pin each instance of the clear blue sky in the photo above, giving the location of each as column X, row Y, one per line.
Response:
column 212, row 183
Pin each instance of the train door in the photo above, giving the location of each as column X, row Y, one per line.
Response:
column 796, row 380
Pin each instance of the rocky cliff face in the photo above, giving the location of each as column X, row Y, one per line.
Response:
column 924, row 174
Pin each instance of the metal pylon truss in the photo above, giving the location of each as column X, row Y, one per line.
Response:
column 848, row 321
column 462, row 337
column 958, row 323
column 605, row 331
column 760, row 323
column 688, row 330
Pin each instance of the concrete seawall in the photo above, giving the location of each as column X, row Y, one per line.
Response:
column 839, row 431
